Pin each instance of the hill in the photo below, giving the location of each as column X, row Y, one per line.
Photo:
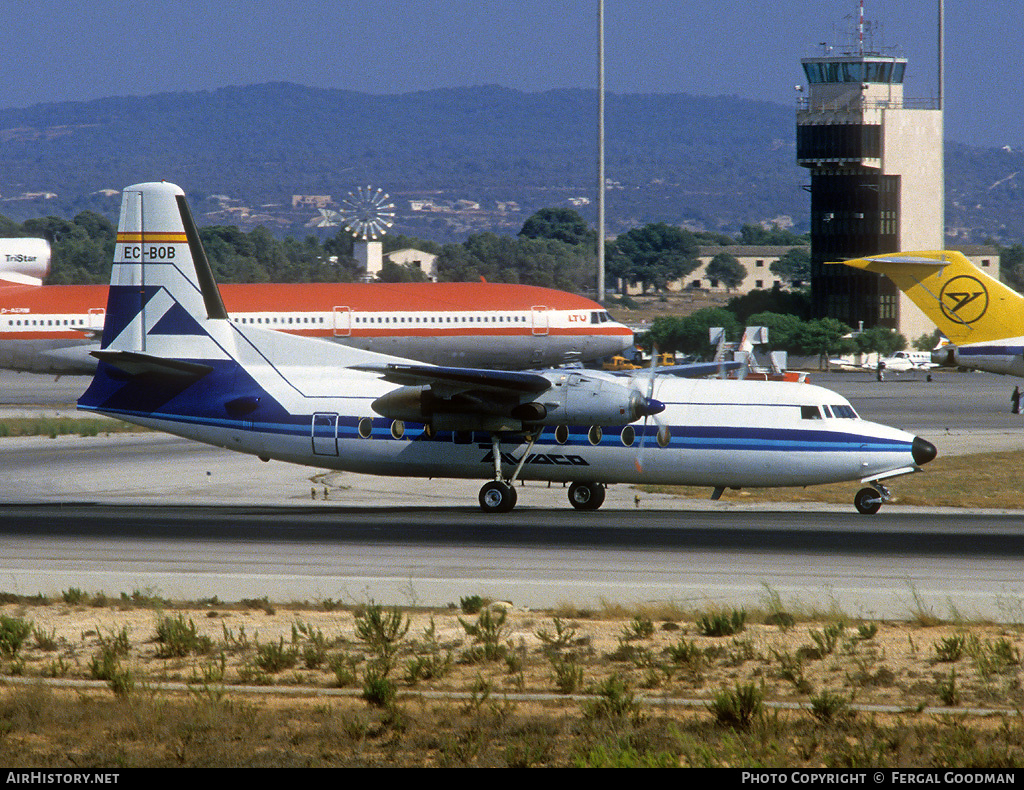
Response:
column 466, row 159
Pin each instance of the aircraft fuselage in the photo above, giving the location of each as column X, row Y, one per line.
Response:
column 53, row 329
column 712, row 433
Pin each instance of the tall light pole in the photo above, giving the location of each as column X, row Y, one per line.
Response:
column 600, row 151
column 942, row 53
column 942, row 112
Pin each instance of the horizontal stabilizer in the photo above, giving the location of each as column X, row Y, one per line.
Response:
column 459, row 378
column 902, row 260
column 133, row 363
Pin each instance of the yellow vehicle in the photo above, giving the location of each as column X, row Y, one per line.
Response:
column 618, row 363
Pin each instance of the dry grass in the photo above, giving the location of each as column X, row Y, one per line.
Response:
column 476, row 711
column 985, row 480
column 61, row 426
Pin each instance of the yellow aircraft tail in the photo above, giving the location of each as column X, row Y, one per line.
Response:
column 966, row 304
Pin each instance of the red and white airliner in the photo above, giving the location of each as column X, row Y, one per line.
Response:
column 52, row 328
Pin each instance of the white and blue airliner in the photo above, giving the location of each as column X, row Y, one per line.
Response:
column 171, row 359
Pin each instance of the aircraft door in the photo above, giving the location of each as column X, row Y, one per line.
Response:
column 539, row 318
column 324, row 432
column 342, row 321
column 96, row 318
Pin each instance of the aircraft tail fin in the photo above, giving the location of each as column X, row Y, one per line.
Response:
column 968, row 305
column 161, row 333
column 168, row 343
column 161, row 279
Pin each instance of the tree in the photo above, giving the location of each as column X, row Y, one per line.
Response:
column 653, row 255
column 928, row 341
column 1011, row 266
column 756, row 235
column 794, row 266
column 727, row 269
column 824, row 337
column 391, row 272
column 784, row 331
column 545, row 262
column 9, row 229
column 880, row 340
column 96, row 225
column 690, row 334
column 561, row 224
column 797, row 303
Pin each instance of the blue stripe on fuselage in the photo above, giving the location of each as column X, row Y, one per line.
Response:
column 990, row 351
column 682, row 437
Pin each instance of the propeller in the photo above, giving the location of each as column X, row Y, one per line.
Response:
column 653, row 407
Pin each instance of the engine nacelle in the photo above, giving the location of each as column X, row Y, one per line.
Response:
column 577, row 399
column 24, row 261
column 945, row 356
column 573, row 398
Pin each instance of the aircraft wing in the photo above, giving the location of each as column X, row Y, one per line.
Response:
column 691, row 370
column 696, row 370
column 459, row 379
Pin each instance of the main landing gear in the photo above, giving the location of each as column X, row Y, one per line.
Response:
column 869, row 500
column 586, row 496
column 499, row 495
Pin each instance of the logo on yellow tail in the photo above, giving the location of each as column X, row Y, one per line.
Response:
column 964, row 299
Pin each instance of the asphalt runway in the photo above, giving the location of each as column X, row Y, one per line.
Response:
column 154, row 513
column 537, row 557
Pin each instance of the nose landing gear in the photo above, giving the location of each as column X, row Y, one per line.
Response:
column 869, row 500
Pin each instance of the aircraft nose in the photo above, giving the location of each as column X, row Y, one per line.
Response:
column 923, row 451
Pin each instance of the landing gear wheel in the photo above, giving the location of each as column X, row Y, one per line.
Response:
column 867, row 501
column 497, row 497
column 586, row 496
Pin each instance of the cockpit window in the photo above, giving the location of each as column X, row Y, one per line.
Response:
column 825, row 408
column 845, row 412
column 810, row 413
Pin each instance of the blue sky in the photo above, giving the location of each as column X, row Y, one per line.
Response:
column 56, row 51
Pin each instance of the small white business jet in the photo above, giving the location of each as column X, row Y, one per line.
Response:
column 172, row 360
column 905, row 360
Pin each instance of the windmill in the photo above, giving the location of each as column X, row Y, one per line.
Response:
column 367, row 214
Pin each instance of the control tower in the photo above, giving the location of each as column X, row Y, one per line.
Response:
column 877, row 186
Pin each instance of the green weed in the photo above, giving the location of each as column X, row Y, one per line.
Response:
column 722, row 624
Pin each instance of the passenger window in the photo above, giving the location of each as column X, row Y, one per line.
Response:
column 810, row 413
